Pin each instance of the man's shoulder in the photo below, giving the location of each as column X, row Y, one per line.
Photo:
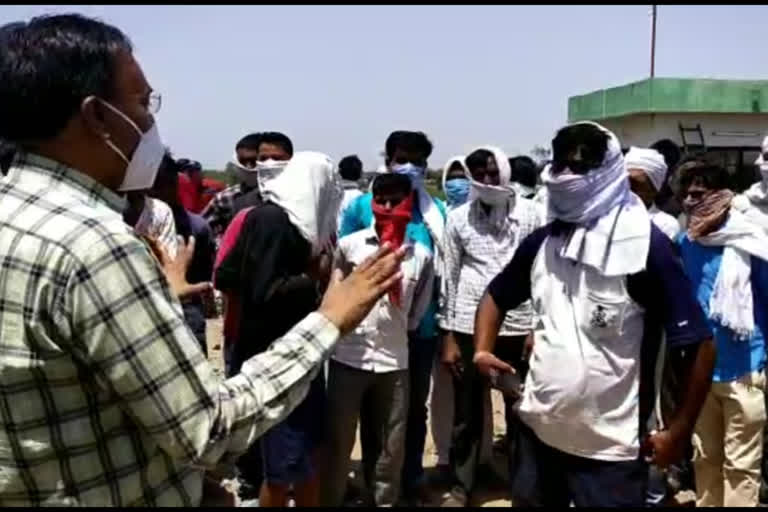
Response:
column 77, row 231
column 461, row 212
column 422, row 253
column 227, row 193
column 159, row 208
column 356, row 239
column 198, row 223
column 361, row 201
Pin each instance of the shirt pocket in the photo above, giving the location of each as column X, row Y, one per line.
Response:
column 602, row 315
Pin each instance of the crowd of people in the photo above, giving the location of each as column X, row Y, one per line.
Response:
column 618, row 300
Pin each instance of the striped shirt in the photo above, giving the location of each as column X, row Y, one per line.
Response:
column 105, row 396
column 476, row 248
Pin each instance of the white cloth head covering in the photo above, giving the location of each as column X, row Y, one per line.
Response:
column 500, row 197
column 433, row 219
column 731, row 302
column 310, row 192
column 651, row 162
column 505, row 173
column 753, row 203
column 613, row 230
column 449, row 164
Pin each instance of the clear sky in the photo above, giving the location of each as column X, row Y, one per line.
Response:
column 338, row 79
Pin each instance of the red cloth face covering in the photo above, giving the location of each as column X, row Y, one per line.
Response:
column 390, row 226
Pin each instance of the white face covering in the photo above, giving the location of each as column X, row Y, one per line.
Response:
column 271, row 165
column 145, row 161
column 256, row 176
column 494, row 195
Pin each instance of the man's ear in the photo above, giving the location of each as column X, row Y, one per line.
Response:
column 92, row 114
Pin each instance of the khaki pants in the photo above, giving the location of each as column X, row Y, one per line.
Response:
column 728, row 443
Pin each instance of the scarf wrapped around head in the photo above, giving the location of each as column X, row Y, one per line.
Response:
column 501, row 197
column 390, row 225
column 612, row 231
column 754, row 202
column 456, row 190
column 709, row 213
column 651, row 162
column 731, row 303
column 309, row 191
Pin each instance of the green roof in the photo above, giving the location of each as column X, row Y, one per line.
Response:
column 678, row 95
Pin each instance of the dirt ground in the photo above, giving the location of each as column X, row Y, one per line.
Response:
column 484, row 497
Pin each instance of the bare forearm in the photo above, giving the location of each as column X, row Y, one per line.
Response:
column 488, row 320
column 697, row 368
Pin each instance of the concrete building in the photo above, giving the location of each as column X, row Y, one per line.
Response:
column 726, row 118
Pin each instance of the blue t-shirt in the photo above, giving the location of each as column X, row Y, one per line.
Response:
column 359, row 215
column 735, row 358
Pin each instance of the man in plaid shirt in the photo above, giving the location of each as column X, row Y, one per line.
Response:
column 481, row 236
column 105, row 397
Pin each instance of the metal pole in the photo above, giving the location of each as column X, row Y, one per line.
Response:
column 653, row 41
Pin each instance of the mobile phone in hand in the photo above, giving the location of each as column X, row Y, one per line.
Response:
column 508, row 383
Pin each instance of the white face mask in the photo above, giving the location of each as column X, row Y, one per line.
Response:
column 492, row 195
column 146, row 159
column 271, row 165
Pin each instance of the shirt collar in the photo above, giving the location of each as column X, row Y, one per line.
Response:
column 372, row 237
column 509, row 211
column 247, row 188
column 83, row 186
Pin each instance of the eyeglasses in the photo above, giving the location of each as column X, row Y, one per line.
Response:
column 155, row 101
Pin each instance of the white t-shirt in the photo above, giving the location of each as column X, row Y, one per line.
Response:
column 592, row 368
column 380, row 343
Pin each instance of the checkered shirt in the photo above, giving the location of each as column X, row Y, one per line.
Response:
column 105, row 396
column 221, row 210
column 476, row 247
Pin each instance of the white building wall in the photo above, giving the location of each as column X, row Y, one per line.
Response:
column 729, row 130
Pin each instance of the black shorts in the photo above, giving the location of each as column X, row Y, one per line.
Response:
column 288, row 449
column 547, row 477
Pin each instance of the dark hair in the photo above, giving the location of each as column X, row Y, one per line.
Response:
column 168, row 171
column 48, row 67
column 524, row 170
column 278, row 139
column 456, row 164
column 669, row 150
column 187, row 165
column 351, row 168
column 7, row 153
column 250, row 141
column 569, row 138
column 416, row 142
column 389, row 182
column 702, row 171
column 478, row 158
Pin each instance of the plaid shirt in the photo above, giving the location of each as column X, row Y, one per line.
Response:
column 221, row 210
column 476, row 247
column 105, row 396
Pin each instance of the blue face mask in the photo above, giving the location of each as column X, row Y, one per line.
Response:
column 413, row 171
column 457, row 191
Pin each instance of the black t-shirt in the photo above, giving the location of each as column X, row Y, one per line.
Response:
column 266, row 269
